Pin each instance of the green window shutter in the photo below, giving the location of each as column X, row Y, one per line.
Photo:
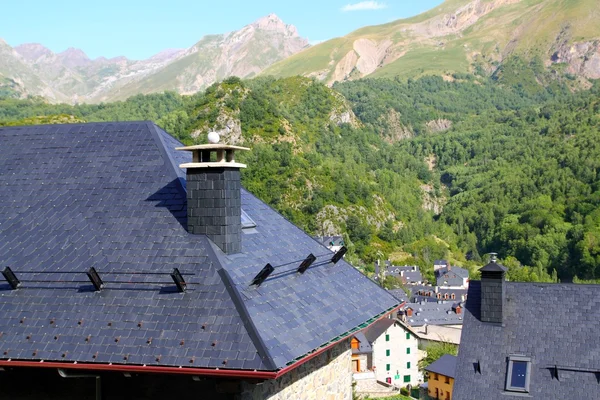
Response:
column 408, row 335
column 387, row 367
column 408, row 350
column 387, row 338
column 406, row 378
column 387, row 353
column 408, row 365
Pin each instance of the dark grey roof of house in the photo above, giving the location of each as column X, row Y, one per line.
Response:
column 440, row 262
column 412, row 276
column 377, row 329
column 445, row 365
column 421, row 293
column 111, row 196
column 399, row 294
column 433, row 314
column 458, row 271
column 364, row 346
column 554, row 324
column 397, row 269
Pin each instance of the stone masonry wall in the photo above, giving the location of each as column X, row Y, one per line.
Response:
column 326, row 377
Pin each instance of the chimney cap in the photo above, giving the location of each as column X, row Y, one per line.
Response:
column 493, row 267
column 201, row 156
column 211, row 146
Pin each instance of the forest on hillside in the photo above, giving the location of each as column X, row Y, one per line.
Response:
column 427, row 168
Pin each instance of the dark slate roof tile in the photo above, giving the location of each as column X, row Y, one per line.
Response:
column 82, row 203
column 445, row 365
column 554, row 324
column 110, row 195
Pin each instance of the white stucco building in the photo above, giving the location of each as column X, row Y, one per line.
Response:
column 394, row 352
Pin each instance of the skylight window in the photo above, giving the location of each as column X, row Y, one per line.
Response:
column 518, row 374
column 247, row 222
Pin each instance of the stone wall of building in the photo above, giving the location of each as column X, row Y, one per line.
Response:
column 328, row 376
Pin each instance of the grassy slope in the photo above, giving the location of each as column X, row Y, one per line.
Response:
column 167, row 78
column 529, row 27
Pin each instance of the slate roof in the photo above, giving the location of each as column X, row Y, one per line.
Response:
column 399, row 294
column 377, row 329
column 364, row 347
column 445, row 365
column 440, row 313
column 111, row 196
column 461, row 272
column 428, row 293
column 554, row 324
column 412, row 276
column 397, row 269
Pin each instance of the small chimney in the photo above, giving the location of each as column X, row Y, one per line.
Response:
column 493, row 292
column 448, row 266
column 213, row 194
column 409, row 312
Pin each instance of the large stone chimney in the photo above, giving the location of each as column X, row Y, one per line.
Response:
column 213, row 195
column 493, row 293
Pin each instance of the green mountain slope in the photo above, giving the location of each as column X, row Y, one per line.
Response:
column 460, row 36
column 419, row 170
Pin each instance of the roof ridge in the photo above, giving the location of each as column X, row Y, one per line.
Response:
column 240, row 306
column 176, row 172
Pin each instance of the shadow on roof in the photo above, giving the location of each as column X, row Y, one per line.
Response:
column 173, row 198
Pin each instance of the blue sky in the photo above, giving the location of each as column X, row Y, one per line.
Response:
column 139, row 29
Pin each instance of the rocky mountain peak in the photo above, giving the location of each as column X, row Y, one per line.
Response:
column 73, row 58
column 166, row 55
column 33, row 51
column 272, row 22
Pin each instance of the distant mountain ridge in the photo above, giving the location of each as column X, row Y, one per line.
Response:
column 72, row 77
column 460, row 36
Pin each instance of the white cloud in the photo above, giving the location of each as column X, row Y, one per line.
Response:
column 364, row 5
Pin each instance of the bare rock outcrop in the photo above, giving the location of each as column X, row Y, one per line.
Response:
column 438, row 125
column 430, row 201
column 370, row 54
column 459, row 20
column 582, row 58
column 396, row 130
column 331, row 219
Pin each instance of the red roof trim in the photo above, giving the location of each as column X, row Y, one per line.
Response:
column 141, row 368
column 320, row 351
column 232, row 373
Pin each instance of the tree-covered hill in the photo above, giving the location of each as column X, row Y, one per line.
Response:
column 419, row 170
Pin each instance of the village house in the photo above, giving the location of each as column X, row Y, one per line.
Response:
column 434, row 294
column 448, row 276
column 440, row 379
column 528, row 340
column 137, row 268
column 391, row 353
column 406, row 274
column 426, row 313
